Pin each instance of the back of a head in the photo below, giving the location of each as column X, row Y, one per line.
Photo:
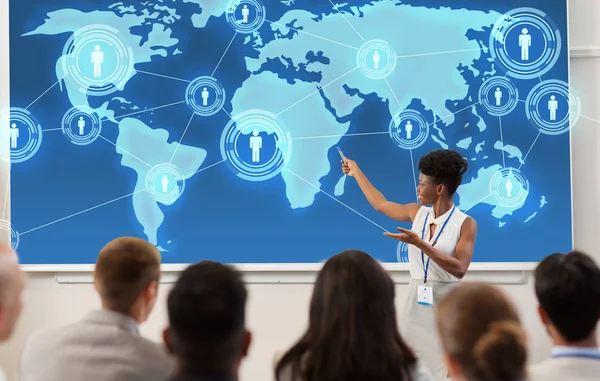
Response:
column 481, row 333
column 568, row 290
column 124, row 269
column 352, row 333
column 207, row 313
column 11, row 286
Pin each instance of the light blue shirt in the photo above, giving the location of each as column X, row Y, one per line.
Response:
column 568, row 363
column 585, row 352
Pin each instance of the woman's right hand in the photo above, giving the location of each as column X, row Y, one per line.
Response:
column 349, row 167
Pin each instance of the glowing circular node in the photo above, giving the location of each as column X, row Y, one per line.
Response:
column 498, row 96
column 81, row 125
column 97, row 60
column 402, row 252
column 525, row 43
column 7, row 228
column 552, row 108
column 256, row 145
column 246, row 16
column 24, row 133
column 409, row 129
column 509, row 187
column 205, row 96
column 165, row 183
column 376, row 59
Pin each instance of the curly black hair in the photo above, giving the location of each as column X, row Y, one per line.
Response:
column 445, row 166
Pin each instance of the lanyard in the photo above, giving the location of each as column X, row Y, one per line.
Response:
column 434, row 242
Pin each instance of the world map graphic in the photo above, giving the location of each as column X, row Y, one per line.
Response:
column 212, row 128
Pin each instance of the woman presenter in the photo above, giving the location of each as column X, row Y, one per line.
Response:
column 440, row 246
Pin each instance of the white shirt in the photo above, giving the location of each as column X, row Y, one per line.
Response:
column 578, row 364
column 445, row 243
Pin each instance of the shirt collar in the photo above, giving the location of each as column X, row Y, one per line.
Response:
column 441, row 218
column 113, row 318
column 570, row 351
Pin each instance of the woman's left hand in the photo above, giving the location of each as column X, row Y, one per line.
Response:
column 408, row 236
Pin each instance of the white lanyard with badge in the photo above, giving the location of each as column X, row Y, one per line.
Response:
column 424, row 292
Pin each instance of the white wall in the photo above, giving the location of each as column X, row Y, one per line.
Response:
column 278, row 312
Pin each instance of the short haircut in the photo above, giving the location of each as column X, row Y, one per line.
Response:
column 207, row 314
column 125, row 267
column 445, row 167
column 568, row 289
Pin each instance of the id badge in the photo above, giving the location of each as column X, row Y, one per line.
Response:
column 425, row 295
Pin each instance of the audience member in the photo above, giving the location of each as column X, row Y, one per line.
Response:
column 11, row 287
column 106, row 344
column 207, row 323
column 568, row 290
column 352, row 330
column 481, row 335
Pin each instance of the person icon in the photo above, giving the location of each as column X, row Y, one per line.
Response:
column 97, row 60
column 408, row 128
column 552, row 107
column 245, row 14
column 498, row 96
column 255, row 146
column 376, row 59
column 205, row 97
column 81, row 125
column 525, row 44
column 14, row 135
column 165, row 183
column 509, row 187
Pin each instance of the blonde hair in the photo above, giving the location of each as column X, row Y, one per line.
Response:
column 481, row 331
column 125, row 267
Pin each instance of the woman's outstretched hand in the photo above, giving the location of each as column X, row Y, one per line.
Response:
column 349, row 167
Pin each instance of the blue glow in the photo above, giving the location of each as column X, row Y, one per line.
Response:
column 245, row 16
column 165, row 183
column 81, row 125
column 409, row 129
column 509, row 187
column 551, row 107
column 498, row 96
column 205, row 96
column 25, row 135
column 526, row 43
column 402, row 252
column 376, row 59
column 255, row 145
column 97, row 60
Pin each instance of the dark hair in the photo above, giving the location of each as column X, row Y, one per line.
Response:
column 480, row 330
column 568, row 289
column 445, row 167
column 124, row 268
column 206, row 310
column 352, row 333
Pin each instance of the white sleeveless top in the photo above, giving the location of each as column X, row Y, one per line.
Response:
column 446, row 243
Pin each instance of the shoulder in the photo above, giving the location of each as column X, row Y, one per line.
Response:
column 466, row 222
column 420, row 211
column 152, row 348
column 541, row 371
column 420, row 373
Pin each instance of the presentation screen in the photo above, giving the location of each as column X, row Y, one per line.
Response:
column 216, row 129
